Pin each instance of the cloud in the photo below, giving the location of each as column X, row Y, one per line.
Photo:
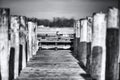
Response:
column 57, row 8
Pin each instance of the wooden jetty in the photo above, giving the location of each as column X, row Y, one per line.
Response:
column 95, row 54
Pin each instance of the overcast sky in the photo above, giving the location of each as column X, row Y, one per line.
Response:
column 57, row 8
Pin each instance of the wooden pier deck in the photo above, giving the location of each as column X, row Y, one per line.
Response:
column 52, row 65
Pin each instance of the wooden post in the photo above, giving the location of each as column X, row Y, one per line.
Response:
column 77, row 37
column 34, row 37
column 119, row 40
column 37, row 47
column 98, row 46
column 74, row 41
column 36, row 43
column 30, row 39
column 112, row 64
column 4, row 54
column 15, row 27
column 23, row 39
column 83, row 43
column 89, row 40
column 27, row 40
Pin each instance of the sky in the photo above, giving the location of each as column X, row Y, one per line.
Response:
column 47, row 9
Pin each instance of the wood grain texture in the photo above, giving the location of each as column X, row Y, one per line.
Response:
column 4, row 47
column 15, row 24
column 99, row 46
column 112, row 54
column 112, row 42
column 53, row 65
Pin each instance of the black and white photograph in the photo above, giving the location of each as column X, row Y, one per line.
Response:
column 59, row 40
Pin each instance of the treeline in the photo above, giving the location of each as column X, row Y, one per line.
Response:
column 57, row 22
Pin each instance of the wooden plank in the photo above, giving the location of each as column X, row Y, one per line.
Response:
column 54, row 69
column 53, row 78
column 37, row 69
column 53, row 65
column 48, row 59
column 48, row 73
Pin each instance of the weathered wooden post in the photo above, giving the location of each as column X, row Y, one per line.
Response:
column 36, row 41
column 31, row 37
column 74, row 40
column 83, row 42
column 119, row 41
column 89, row 40
column 35, row 37
column 98, row 46
column 23, row 39
column 15, row 27
column 29, row 40
column 112, row 41
column 4, row 47
column 76, row 37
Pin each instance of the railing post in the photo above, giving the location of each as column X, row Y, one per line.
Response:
column 4, row 45
column 98, row 46
column 112, row 65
